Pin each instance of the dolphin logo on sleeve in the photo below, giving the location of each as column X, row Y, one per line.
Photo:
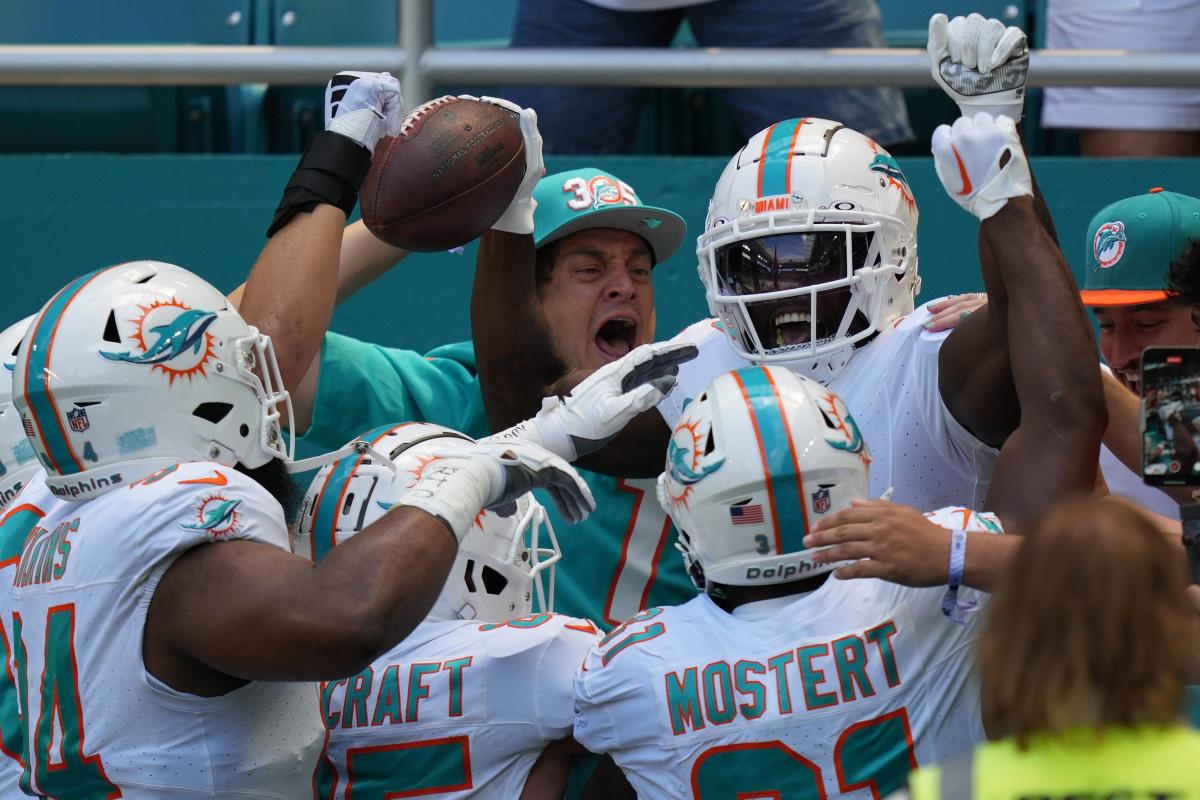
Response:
column 217, row 515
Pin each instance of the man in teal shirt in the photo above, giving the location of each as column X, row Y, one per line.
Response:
column 597, row 244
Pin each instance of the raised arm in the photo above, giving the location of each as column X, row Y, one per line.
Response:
column 983, row 66
column 1034, row 317
column 362, row 259
column 292, row 290
column 517, row 357
column 1060, row 412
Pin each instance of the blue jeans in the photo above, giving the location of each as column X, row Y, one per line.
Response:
column 595, row 120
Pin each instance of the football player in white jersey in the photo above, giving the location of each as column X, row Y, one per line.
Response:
column 17, row 465
column 470, row 701
column 809, row 259
column 777, row 682
column 157, row 611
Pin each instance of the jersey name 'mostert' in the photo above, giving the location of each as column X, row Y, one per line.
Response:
column 809, row 677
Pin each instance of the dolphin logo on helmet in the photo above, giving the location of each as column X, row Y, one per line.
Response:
column 677, row 460
column 174, row 339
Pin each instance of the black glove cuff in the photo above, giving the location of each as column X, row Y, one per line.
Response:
column 331, row 171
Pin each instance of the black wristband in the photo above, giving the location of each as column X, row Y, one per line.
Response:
column 331, row 171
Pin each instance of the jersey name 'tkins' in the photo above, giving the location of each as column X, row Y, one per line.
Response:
column 98, row 722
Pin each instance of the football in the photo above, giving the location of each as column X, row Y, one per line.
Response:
column 447, row 177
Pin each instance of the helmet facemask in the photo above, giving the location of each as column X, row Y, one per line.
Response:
column 804, row 290
column 498, row 571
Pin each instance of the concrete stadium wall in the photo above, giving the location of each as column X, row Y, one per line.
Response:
column 63, row 215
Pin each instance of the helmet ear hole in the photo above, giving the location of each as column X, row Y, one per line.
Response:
column 709, row 446
column 244, row 429
column 493, row 581
column 469, row 576
column 111, row 334
column 214, row 412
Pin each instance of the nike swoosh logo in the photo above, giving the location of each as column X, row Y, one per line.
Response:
column 962, row 171
column 217, row 479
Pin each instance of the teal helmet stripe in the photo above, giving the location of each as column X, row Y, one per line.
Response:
column 776, row 158
column 329, row 501
column 785, row 486
column 38, row 396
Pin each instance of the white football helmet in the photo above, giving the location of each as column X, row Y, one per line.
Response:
column 810, row 245
column 755, row 461
column 500, row 562
column 140, row 366
column 17, row 461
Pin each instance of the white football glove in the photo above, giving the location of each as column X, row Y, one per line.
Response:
column 980, row 63
column 364, row 106
column 467, row 477
column 971, row 161
column 518, row 217
column 598, row 408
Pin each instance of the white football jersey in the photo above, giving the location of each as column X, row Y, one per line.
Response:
column 12, row 732
column 891, row 387
column 836, row 693
column 458, row 709
column 98, row 722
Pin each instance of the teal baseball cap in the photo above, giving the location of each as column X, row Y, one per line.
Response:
column 1131, row 244
column 579, row 199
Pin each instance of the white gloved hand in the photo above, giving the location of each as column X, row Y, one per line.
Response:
column 467, row 477
column 605, row 402
column 980, row 63
column 980, row 163
column 518, row 217
column 364, row 106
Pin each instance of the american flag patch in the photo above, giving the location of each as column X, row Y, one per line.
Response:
column 27, row 424
column 746, row 515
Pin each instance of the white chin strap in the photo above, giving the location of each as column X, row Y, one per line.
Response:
column 359, row 446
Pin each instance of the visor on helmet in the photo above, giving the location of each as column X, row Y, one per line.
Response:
column 795, row 287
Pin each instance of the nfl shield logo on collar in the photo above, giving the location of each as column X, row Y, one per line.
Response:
column 821, row 501
column 79, row 420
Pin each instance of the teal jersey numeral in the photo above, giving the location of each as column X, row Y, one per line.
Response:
column 409, row 769
column 875, row 754
column 71, row 774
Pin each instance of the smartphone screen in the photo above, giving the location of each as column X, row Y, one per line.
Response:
column 1171, row 416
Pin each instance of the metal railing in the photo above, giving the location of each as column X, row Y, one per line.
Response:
column 422, row 66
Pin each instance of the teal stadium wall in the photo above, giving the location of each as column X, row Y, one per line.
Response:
column 63, row 215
